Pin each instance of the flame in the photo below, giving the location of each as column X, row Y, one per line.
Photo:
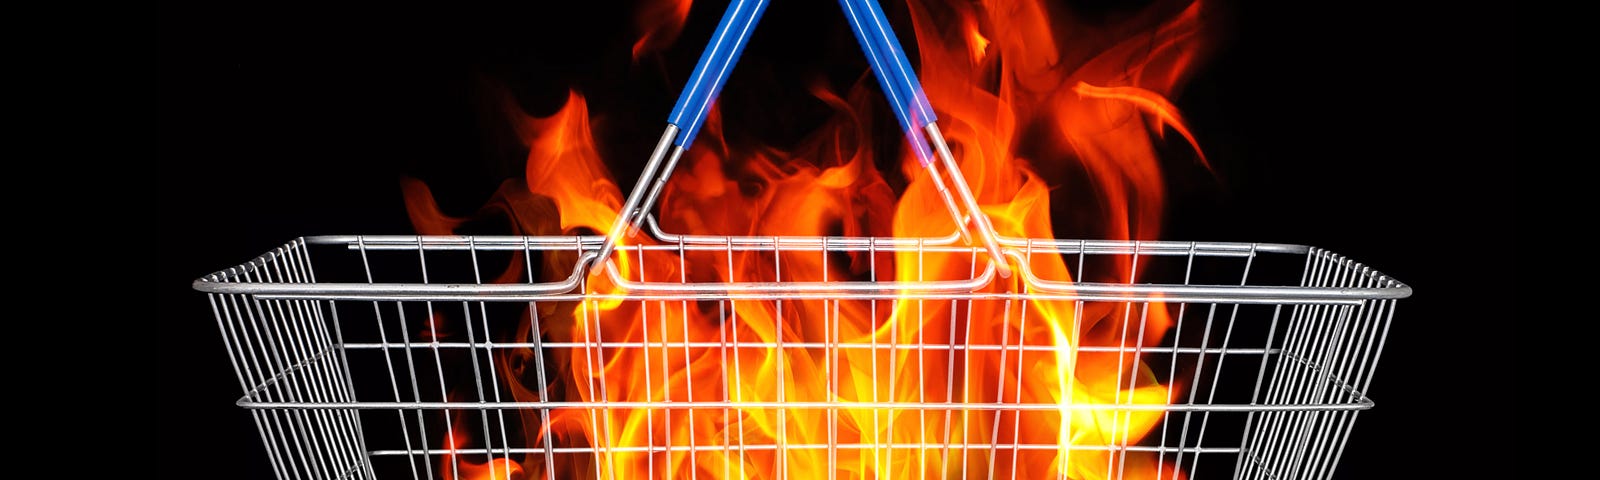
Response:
column 456, row 469
column 564, row 165
column 658, row 23
column 977, row 44
column 1039, row 109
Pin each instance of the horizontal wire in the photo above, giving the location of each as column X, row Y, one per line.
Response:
column 803, row 446
column 1361, row 404
column 803, row 346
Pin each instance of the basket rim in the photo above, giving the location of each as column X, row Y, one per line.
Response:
column 569, row 288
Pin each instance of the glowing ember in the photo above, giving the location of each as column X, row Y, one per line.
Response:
column 1012, row 97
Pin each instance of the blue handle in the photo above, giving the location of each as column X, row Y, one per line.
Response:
column 878, row 42
column 895, row 58
column 865, row 30
column 711, row 72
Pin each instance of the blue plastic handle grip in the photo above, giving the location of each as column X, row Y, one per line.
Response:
column 893, row 89
column 894, row 56
column 711, row 72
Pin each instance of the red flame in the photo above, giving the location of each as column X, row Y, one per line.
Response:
column 658, row 22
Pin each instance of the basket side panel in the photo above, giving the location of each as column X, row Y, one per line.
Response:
column 287, row 358
column 1326, row 356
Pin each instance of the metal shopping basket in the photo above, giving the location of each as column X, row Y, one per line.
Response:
column 970, row 355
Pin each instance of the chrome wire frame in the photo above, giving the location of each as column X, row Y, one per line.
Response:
column 1266, row 379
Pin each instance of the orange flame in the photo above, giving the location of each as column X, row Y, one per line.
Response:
column 1035, row 116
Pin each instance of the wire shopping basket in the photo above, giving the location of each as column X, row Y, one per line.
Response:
column 971, row 355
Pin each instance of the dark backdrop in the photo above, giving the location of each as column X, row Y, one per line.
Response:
column 1380, row 130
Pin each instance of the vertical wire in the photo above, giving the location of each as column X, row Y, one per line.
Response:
column 260, row 360
column 592, row 309
column 722, row 335
column 1273, row 421
column 1250, row 439
column 872, row 338
column 1222, row 357
column 831, row 354
column 1076, row 338
column 666, row 387
column 949, row 386
column 438, row 365
column 274, row 356
column 341, row 364
column 830, row 341
column 1365, row 339
column 1022, row 343
column 1315, row 359
column 416, row 391
column 890, row 398
column 738, row 373
column 781, row 452
column 683, row 277
column 1172, row 374
column 922, row 371
column 312, row 365
column 340, row 386
column 1331, row 447
column 271, row 322
column 1337, row 356
column 1133, row 378
column 1385, row 310
column 598, row 444
column 394, row 381
column 1350, row 371
column 253, row 390
column 1294, row 383
column 649, row 391
column 1315, row 374
column 966, row 372
column 1070, row 378
column 1282, row 386
column 270, row 421
column 535, row 331
column 1122, row 348
column 1063, row 372
column 279, row 469
column 1247, row 439
column 477, row 376
column 999, row 394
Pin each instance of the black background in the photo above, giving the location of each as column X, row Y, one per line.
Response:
column 1380, row 130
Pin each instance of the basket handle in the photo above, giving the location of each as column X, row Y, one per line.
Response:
column 894, row 75
column 878, row 41
column 688, row 115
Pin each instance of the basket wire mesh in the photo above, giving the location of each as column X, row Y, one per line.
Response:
column 399, row 366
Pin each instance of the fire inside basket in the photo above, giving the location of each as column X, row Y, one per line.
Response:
column 974, row 351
